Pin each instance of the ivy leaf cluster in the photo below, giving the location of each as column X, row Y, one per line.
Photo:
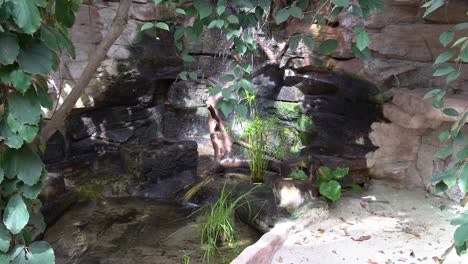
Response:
column 33, row 33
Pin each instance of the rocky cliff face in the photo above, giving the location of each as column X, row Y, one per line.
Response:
column 133, row 95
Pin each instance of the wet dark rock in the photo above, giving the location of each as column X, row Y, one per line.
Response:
column 186, row 123
column 127, row 90
column 55, row 148
column 313, row 83
column 187, row 95
column 97, row 122
column 169, row 188
column 159, row 159
column 268, row 84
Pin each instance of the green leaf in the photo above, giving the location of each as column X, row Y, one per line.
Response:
column 435, row 4
column 444, row 153
column 242, row 110
column 26, row 15
column 343, row 3
column 340, row 173
column 2, row 175
column 362, row 40
column 31, row 192
column 37, row 220
column 16, row 214
column 459, row 41
column 39, row 252
column 180, row 11
column 298, row 175
column 461, row 235
column 281, row 16
column 16, row 77
column 220, row 10
column 24, row 164
column 66, row 44
column 295, row 11
column 44, row 99
column 443, row 71
column 203, row 8
column 452, row 77
column 233, row 19
column 446, row 37
column 11, row 139
column 461, row 26
column 294, row 42
column 440, row 176
column 355, row 187
column 331, row 190
column 9, row 48
column 464, row 54
column 461, row 219
column 40, row 3
column 336, row 11
column 445, row 56
column 225, row 106
column 28, row 133
column 228, row 78
column 219, row 23
column 463, row 154
column 193, row 75
column 36, row 58
column 450, row 112
column 215, row 90
column 463, row 180
column 9, row 187
column 25, row 108
column 162, row 25
column 188, row 58
column 444, row 136
column 147, row 26
column 450, row 181
column 5, row 239
column 13, row 124
column 432, row 93
column 363, row 55
column 328, row 46
column 324, row 174
column 309, row 41
column 64, row 13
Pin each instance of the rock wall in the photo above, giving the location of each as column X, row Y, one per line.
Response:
column 404, row 46
column 133, row 96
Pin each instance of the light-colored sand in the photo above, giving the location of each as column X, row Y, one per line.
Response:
column 395, row 226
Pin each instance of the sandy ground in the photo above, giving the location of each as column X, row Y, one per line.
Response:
column 382, row 225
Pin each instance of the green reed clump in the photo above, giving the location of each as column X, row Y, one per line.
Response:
column 218, row 228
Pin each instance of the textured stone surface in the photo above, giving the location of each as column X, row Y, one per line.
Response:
column 187, row 95
column 160, row 159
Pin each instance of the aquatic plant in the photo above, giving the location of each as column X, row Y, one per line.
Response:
column 218, row 227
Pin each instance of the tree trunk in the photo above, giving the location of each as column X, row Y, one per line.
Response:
column 116, row 29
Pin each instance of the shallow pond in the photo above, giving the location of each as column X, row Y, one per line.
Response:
column 134, row 230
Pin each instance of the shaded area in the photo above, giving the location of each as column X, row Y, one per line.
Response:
column 132, row 230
